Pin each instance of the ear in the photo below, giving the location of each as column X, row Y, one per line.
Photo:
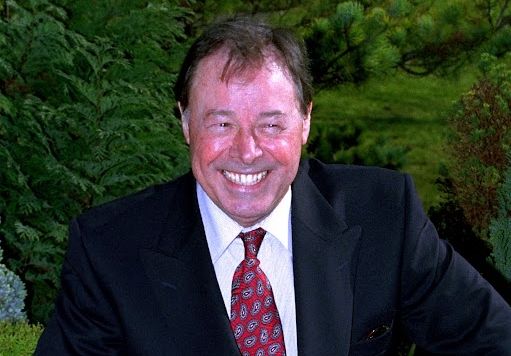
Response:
column 306, row 124
column 185, row 121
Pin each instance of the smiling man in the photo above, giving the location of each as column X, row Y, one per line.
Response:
column 245, row 140
column 258, row 253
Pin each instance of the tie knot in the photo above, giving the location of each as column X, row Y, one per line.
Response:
column 252, row 241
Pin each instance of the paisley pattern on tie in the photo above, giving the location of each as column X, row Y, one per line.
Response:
column 254, row 318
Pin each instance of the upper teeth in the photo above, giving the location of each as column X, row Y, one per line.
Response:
column 245, row 179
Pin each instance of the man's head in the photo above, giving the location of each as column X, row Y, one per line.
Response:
column 245, row 97
column 247, row 41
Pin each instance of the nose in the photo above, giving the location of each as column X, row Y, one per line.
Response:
column 245, row 147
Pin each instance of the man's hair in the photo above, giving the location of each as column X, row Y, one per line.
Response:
column 248, row 41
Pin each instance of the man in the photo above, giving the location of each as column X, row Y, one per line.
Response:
column 340, row 257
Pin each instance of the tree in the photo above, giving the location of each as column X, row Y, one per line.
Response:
column 479, row 142
column 349, row 41
column 363, row 38
column 83, row 120
column 500, row 229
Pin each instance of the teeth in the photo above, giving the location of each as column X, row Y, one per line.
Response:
column 245, row 179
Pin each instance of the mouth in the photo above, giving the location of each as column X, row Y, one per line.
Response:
column 244, row 179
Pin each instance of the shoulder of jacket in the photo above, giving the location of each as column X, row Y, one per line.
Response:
column 352, row 175
column 152, row 198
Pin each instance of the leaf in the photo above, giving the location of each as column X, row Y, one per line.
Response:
column 26, row 232
column 6, row 106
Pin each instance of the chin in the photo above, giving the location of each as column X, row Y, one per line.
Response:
column 250, row 217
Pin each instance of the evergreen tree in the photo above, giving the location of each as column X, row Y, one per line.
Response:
column 364, row 38
column 500, row 230
column 84, row 119
column 349, row 41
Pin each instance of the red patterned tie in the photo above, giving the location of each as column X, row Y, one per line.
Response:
column 255, row 320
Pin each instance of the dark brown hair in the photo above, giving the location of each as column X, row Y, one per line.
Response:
column 248, row 40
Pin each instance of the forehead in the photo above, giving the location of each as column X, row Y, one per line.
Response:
column 217, row 69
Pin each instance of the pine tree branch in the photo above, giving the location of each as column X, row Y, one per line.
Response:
column 502, row 16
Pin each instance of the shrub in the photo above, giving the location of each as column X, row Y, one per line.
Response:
column 18, row 339
column 479, row 140
column 452, row 225
column 80, row 125
column 342, row 142
column 12, row 295
column 500, row 230
column 478, row 144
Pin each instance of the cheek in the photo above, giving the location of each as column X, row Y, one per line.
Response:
column 205, row 149
column 284, row 150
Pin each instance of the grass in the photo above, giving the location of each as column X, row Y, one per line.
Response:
column 408, row 111
column 18, row 339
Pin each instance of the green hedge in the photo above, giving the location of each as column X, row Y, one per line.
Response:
column 83, row 120
column 17, row 339
column 500, row 229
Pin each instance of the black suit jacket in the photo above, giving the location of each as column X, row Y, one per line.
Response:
column 138, row 278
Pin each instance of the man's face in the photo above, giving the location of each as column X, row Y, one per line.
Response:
column 245, row 136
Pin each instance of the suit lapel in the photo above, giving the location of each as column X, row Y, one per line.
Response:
column 323, row 250
column 184, row 281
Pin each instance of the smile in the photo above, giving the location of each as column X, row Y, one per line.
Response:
column 245, row 179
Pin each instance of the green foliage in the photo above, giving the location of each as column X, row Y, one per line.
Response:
column 342, row 143
column 348, row 14
column 497, row 14
column 500, row 229
column 399, row 8
column 18, row 339
column 349, row 41
column 479, row 141
column 350, row 44
column 81, row 123
column 363, row 38
column 407, row 111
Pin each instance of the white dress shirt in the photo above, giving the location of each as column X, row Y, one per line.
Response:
column 275, row 255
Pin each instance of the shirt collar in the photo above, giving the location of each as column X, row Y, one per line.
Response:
column 221, row 230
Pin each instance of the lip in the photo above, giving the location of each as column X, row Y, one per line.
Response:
column 244, row 179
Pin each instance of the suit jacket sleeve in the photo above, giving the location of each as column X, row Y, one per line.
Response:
column 446, row 306
column 83, row 322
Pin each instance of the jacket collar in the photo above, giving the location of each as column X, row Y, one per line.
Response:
column 323, row 261
column 184, row 280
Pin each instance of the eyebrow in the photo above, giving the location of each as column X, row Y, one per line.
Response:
column 219, row 113
column 264, row 114
column 271, row 113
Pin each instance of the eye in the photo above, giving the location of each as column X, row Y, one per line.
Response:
column 272, row 128
column 220, row 127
